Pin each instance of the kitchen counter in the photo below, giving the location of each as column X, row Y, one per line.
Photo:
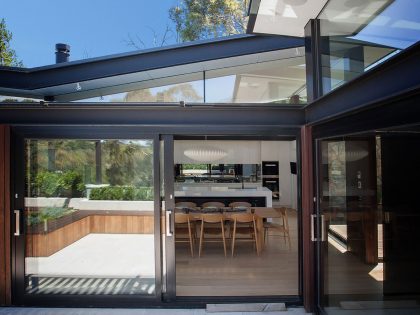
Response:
column 224, row 191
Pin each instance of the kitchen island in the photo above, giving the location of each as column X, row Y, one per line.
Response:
column 257, row 196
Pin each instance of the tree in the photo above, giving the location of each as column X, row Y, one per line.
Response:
column 203, row 19
column 175, row 93
column 7, row 54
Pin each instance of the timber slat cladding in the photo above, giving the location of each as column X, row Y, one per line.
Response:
column 5, row 268
column 46, row 244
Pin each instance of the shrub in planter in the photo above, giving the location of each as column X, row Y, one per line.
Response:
column 59, row 184
column 46, row 214
column 121, row 193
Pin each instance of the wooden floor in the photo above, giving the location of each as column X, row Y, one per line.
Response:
column 347, row 274
column 274, row 272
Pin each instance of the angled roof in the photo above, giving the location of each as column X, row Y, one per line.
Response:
column 141, row 69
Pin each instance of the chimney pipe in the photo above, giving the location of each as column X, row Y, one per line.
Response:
column 62, row 53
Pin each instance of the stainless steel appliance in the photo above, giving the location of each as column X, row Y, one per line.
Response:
column 270, row 177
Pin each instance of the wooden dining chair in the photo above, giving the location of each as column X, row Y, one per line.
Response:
column 183, row 227
column 213, row 204
column 282, row 227
column 237, row 204
column 212, row 224
column 188, row 205
column 185, row 204
column 244, row 224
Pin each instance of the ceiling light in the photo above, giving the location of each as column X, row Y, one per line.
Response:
column 205, row 154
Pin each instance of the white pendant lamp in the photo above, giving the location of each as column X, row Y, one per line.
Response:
column 205, row 154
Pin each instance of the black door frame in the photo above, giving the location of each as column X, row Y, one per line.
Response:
column 394, row 114
column 250, row 134
column 162, row 299
column 18, row 242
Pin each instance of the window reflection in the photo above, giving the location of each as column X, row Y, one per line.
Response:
column 279, row 81
column 369, row 203
column 89, row 217
column 357, row 36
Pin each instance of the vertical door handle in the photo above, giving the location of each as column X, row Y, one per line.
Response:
column 323, row 228
column 17, row 222
column 169, row 223
column 313, row 217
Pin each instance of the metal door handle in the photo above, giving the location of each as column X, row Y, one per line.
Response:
column 168, row 223
column 313, row 217
column 270, row 181
column 17, row 222
column 322, row 227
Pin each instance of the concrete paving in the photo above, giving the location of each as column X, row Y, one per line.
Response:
column 107, row 311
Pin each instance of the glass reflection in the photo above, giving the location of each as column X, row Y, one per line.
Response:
column 358, row 36
column 369, row 186
column 89, row 217
column 280, row 81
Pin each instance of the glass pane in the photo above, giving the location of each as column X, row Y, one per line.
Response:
column 277, row 77
column 14, row 99
column 369, row 186
column 280, row 81
column 187, row 88
column 358, row 35
column 259, row 255
column 89, row 217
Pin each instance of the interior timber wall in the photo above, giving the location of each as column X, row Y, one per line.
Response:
column 5, row 250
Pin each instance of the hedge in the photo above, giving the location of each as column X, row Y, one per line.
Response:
column 121, row 193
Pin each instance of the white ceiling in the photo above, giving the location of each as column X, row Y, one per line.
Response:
column 286, row 17
column 289, row 17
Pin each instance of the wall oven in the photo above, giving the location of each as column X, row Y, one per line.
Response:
column 270, row 177
column 270, row 168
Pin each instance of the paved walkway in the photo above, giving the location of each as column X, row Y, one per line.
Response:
column 105, row 311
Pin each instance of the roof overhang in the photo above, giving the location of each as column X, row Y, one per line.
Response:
column 285, row 17
column 155, row 67
column 289, row 17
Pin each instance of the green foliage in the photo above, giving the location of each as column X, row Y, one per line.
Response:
column 121, row 193
column 203, row 19
column 172, row 93
column 59, row 184
column 194, row 167
column 7, row 54
column 47, row 213
column 121, row 162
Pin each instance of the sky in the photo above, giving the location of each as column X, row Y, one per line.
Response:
column 92, row 28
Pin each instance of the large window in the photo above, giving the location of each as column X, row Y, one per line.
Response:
column 277, row 77
column 357, row 36
column 89, row 217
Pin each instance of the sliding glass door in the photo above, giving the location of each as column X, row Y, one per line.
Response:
column 368, row 223
column 86, row 220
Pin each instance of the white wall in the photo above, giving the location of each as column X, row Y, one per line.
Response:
column 251, row 152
